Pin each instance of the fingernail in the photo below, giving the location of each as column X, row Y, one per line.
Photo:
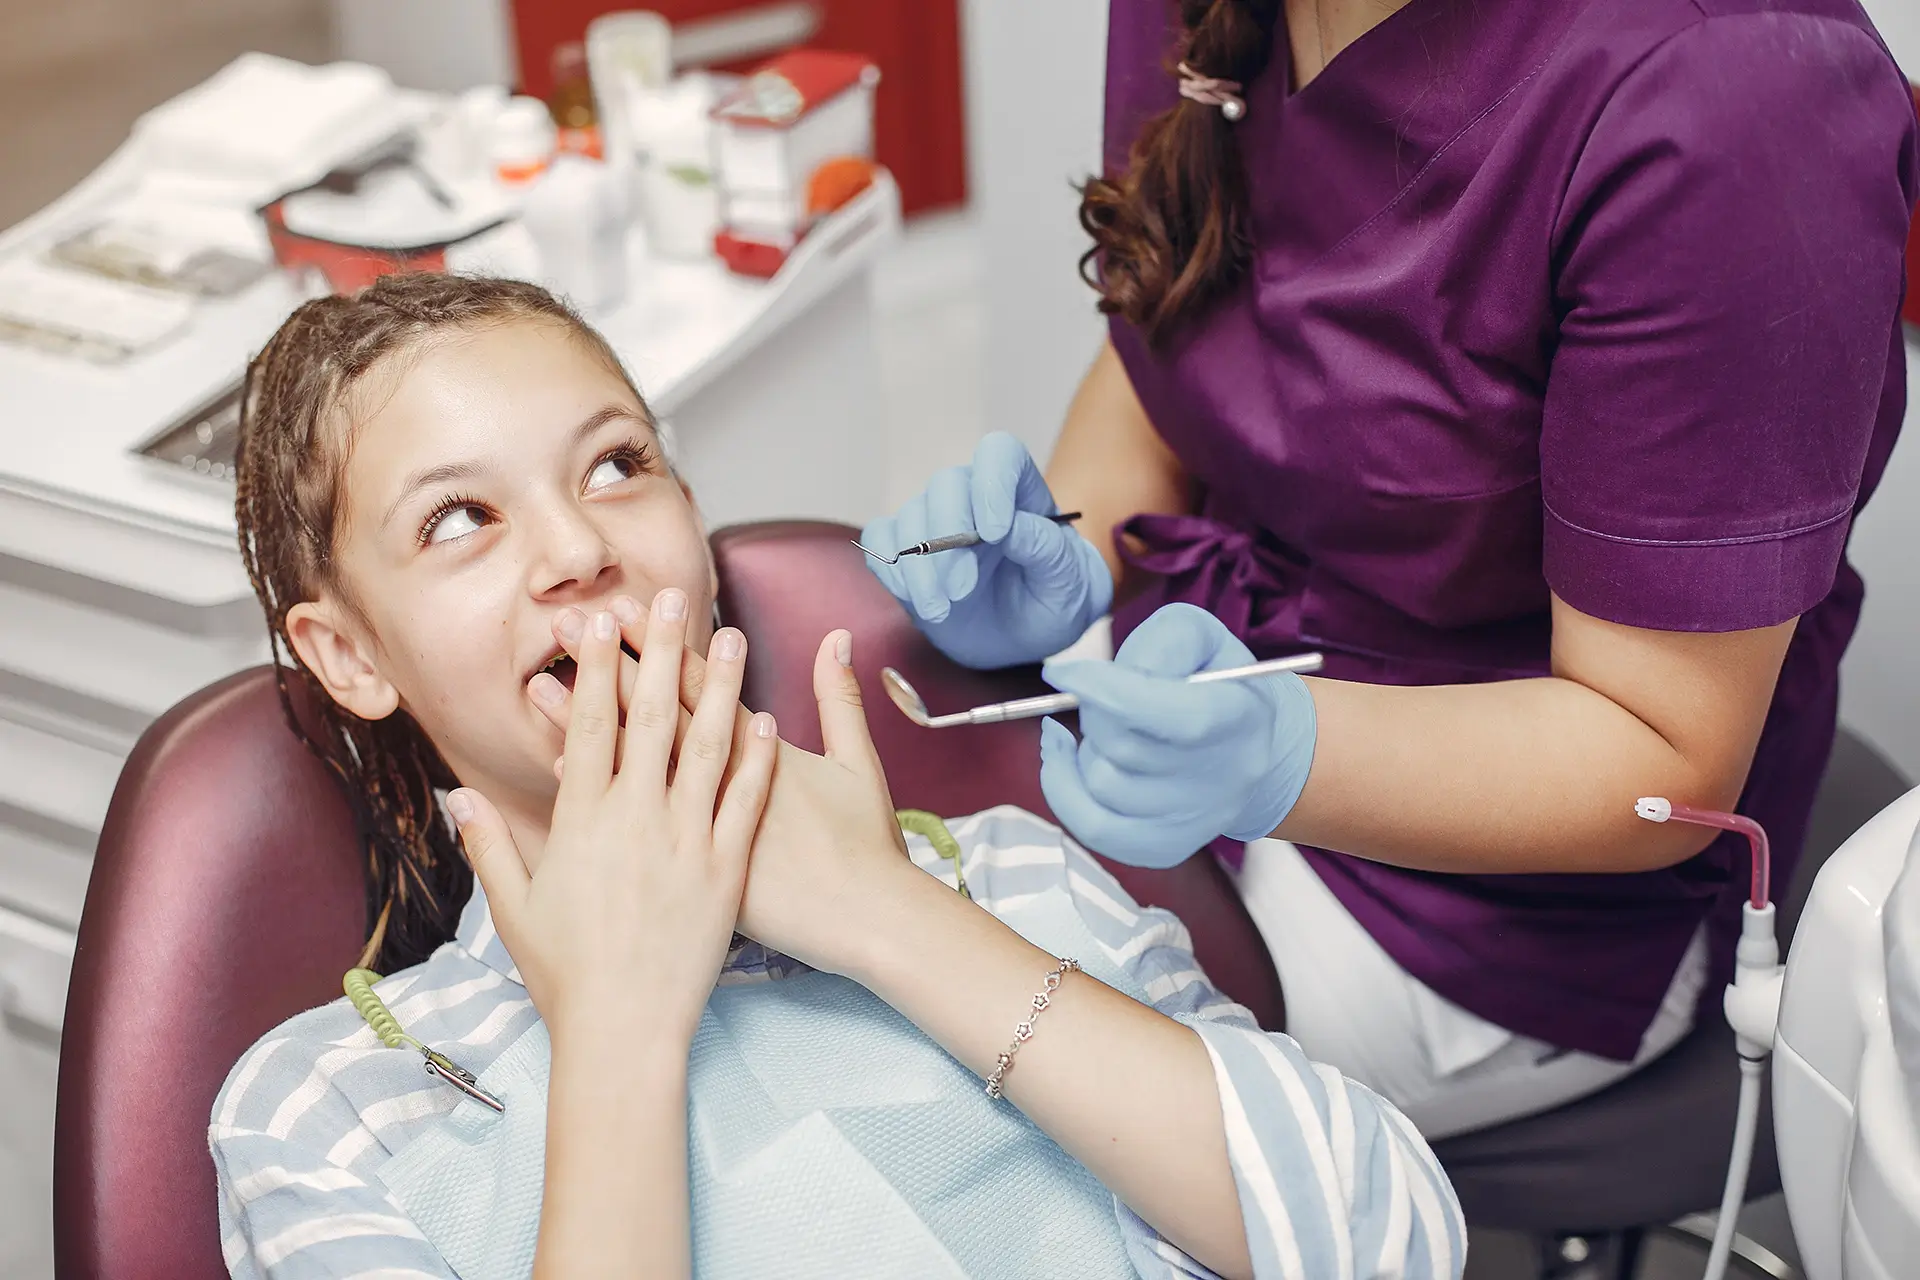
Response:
column 460, row 805
column 627, row 609
column 672, row 604
column 726, row 645
column 763, row 726
column 843, row 649
column 546, row 690
column 571, row 624
column 604, row 626
column 560, row 767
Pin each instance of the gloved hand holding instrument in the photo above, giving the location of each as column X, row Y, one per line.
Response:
column 1164, row 764
column 1029, row 587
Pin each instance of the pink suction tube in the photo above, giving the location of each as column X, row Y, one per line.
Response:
column 1655, row 809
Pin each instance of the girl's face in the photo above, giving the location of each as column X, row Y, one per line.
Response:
column 496, row 477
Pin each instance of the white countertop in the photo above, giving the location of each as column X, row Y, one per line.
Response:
column 70, row 487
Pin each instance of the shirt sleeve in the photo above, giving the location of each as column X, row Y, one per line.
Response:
column 287, row 1213
column 1334, row 1182
column 1728, row 272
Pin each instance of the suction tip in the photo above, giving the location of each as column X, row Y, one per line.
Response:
column 1653, row 808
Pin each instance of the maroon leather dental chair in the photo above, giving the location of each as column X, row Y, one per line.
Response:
column 227, row 896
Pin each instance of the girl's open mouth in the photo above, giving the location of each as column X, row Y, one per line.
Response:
column 563, row 668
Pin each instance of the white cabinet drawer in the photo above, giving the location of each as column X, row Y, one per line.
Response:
column 58, row 781
column 35, row 961
column 28, row 1073
column 114, row 669
column 41, row 878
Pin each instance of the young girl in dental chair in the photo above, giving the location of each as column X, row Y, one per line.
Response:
column 460, row 521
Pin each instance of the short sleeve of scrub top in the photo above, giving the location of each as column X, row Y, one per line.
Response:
column 1723, row 307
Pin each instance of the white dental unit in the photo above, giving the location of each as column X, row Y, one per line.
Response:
column 1841, row 1021
column 1846, row 1061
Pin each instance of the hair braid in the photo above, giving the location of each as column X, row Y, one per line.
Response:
column 294, row 446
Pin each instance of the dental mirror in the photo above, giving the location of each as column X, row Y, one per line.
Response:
column 914, row 707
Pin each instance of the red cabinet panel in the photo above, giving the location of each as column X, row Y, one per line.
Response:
column 919, row 129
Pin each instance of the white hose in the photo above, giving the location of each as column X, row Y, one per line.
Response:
column 1746, row 1124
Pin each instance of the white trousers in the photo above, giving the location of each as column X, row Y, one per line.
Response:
column 1352, row 1007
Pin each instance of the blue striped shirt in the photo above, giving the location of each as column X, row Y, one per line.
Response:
column 1334, row 1183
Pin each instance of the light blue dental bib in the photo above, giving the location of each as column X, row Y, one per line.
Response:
column 827, row 1138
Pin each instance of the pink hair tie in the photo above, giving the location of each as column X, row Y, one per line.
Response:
column 1224, row 94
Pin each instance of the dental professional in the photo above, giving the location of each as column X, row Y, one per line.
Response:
column 1531, row 361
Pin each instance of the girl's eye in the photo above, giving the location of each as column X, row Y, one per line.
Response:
column 455, row 522
column 612, row 469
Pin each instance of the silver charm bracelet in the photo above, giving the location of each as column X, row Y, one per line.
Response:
column 1024, row 1032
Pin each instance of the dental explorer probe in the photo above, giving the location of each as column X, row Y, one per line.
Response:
column 952, row 542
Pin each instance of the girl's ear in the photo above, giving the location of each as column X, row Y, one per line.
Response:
column 340, row 660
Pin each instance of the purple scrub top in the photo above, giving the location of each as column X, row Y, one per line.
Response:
column 1591, row 297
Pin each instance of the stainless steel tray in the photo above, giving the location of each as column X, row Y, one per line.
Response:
column 201, row 445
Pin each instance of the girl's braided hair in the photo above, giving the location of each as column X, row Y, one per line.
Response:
column 294, row 446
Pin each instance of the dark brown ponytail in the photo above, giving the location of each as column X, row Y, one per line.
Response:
column 1170, row 234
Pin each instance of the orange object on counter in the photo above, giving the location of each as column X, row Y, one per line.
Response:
column 519, row 175
column 837, row 182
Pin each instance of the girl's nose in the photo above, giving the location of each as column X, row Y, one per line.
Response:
column 575, row 553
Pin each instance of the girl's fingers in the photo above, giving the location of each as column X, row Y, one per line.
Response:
column 707, row 744
column 737, row 819
column 494, row 856
column 593, row 720
column 633, row 629
column 653, row 712
column 555, row 702
column 843, row 716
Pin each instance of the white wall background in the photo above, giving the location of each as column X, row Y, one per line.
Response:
column 1880, row 683
column 1035, row 89
column 443, row 45
column 1899, row 22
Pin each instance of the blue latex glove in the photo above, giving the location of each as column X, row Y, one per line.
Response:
column 1163, row 767
column 1027, row 592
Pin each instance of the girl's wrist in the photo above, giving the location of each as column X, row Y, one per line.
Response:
column 892, row 922
column 623, row 1028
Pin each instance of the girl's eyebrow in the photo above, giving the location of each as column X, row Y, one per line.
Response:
column 602, row 416
column 429, row 477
